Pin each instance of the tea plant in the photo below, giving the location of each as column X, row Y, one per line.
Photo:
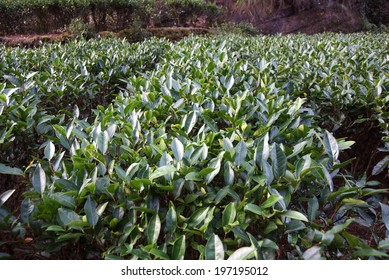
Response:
column 211, row 148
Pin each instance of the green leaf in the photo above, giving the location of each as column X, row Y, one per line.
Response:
column 67, row 216
column 295, row 215
column 55, row 228
column 243, row 253
column 229, row 82
column 313, row 253
column 266, row 147
column 229, row 175
column 171, row 220
column 57, row 161
column 101, row 208
column 210, row 123
column 331, row 147
column 65, row 200
column 272, row 199
column 153, row 229
column 90, row 211
column 294, row 225
column 370, row 253
column 179, row 248
column 65, row 185
column 214, row 249
column 4, row 169
column 385, row 215
column 39, row 179
column 327, row 177
column 205, row 171
column 5, row 196
column 159, row 254
column 178, row 149
column 190, row 122
column 278, row 161
column 49, row 151
column 90, row 152
column 68, row 236
column 229, row 214
column 227, row 145
column 215, row 163
column 102, row 142
column 267, row 169
column 380, row 166
column 240, row 233
column 255, row 209
column 313, row 207
column 241, row 153
column 162, row 171
column 198, row 217
column 338, row 228
column 193, row 176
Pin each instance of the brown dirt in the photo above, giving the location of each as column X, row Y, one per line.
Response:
column 29, row 40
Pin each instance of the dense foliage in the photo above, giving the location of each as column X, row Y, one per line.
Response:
column 209, row 148
column 25, row 16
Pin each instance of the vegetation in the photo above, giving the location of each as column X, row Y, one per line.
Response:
column 286, row 16
column 208, row 148
column 24, row 16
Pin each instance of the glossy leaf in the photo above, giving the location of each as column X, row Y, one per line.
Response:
column 229, row 82
column 295, row 215
column 331, row 146
column 229, row 175
column 190, row 122
column 4, row 169
column 39, row 179
column 153, row 229
column 178, row 149
column 380, row 166
column 68, row 216
column 5, row 196
column 229, row 214
column 241, row 153
column 313, row 253
column 267, row 169
column 91, row 212
column 313, row 207
column 49, row 151
column 179, row 248
column 162, row 171
column 198, row 217
column 254, row 209
column 271, row 200
column 102, row 142
column 278, row 161
column 243, row 253
column 215, row 164
column 171, row 220
column 214, row 248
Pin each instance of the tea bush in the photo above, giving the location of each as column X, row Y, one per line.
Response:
column 218, row 147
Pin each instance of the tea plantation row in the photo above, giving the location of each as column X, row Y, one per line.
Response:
column 209, row 148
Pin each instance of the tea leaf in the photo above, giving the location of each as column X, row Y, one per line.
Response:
column 214, row 248
column 153, row 229
column 243, row 253
column 91, row 212
column 39, row 179
column 4, row 169
column 179, row 248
